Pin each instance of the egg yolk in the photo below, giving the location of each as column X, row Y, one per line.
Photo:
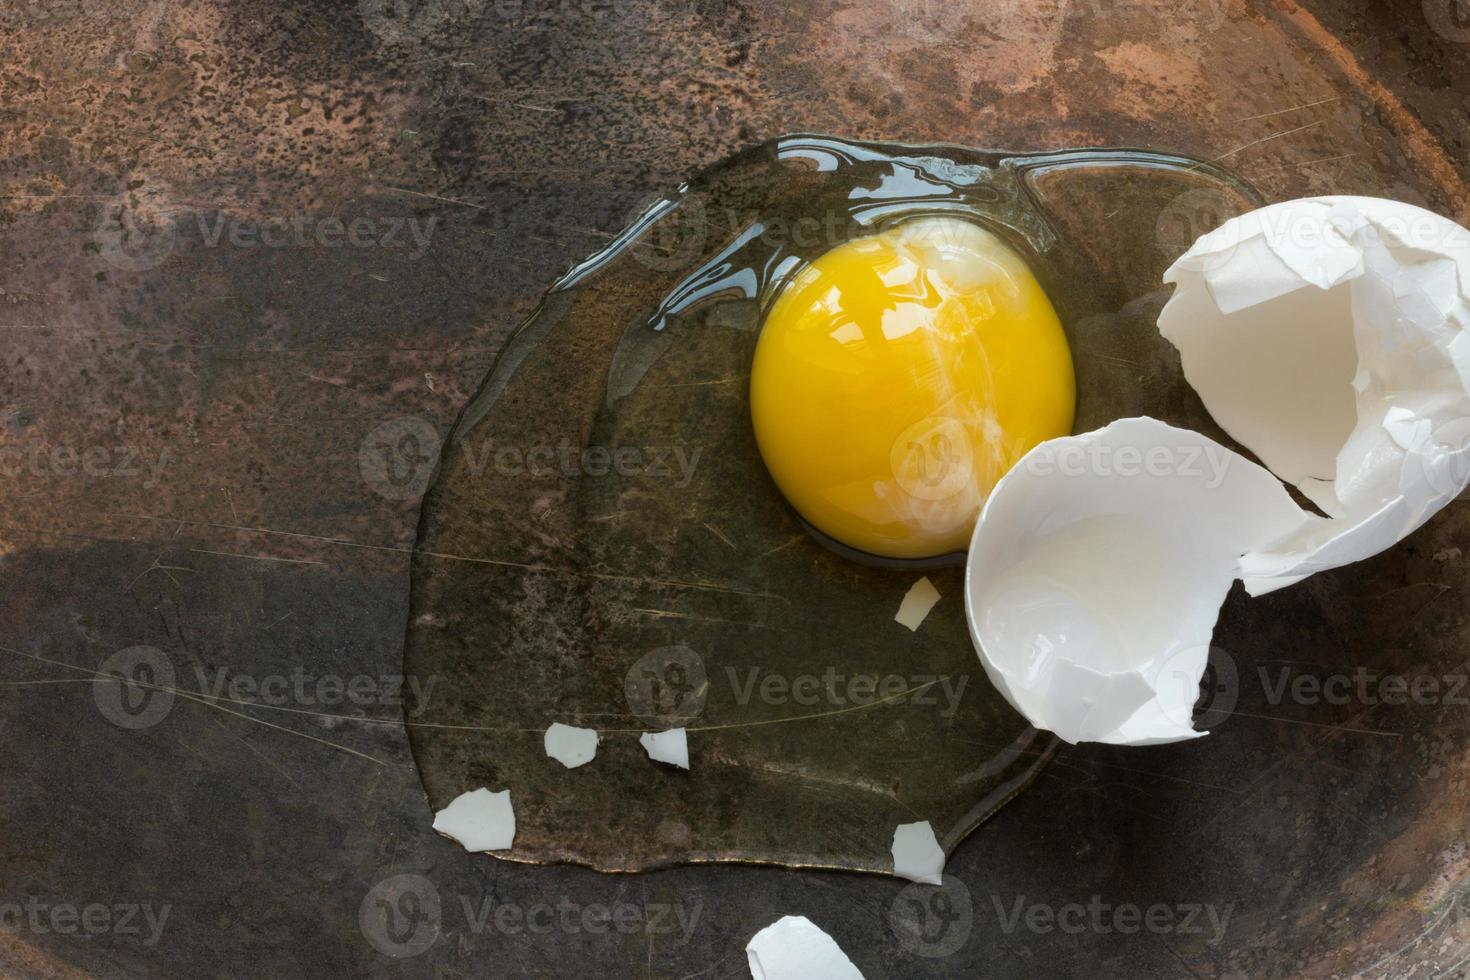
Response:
column 899, row 376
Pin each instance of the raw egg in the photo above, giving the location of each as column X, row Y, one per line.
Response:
column 899, row 375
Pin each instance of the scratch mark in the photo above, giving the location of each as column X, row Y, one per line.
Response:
column 1267, row 139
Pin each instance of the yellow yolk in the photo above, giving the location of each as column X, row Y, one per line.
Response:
column 899, row 376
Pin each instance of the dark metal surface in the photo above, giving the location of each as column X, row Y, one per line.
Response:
column 190, row 400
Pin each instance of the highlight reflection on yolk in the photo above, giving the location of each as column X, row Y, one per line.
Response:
column 899, row 376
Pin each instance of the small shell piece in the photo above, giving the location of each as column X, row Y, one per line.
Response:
column 917, row 603
column 917, row 855
column 570, row 746
column 1331, row 337
column 671, row 747
column 480, row 820
column 794, row 948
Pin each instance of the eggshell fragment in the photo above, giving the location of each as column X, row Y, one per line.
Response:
column 480, row 820
column 1329, row 336
column 917, row 855
column 1098, row 568
column 917, row 603
column 570, row 746
column 671, row 747
column 794, row 948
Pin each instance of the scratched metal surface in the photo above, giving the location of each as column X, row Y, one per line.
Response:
column 239, row 238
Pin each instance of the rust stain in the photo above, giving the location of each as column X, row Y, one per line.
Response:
column 1418, row 141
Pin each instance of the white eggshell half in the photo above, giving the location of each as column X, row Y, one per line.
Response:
column 480, row 820
column 1098, row 568
column 794, row 948
column 1328, row 335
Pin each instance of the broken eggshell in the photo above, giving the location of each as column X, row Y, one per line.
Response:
column 916, row 605
column 1098, row 568
column 571, row 746
column 1329, row 336
column 917, row 855
column 479, row 820
column 670, row 747
column 795, row 948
